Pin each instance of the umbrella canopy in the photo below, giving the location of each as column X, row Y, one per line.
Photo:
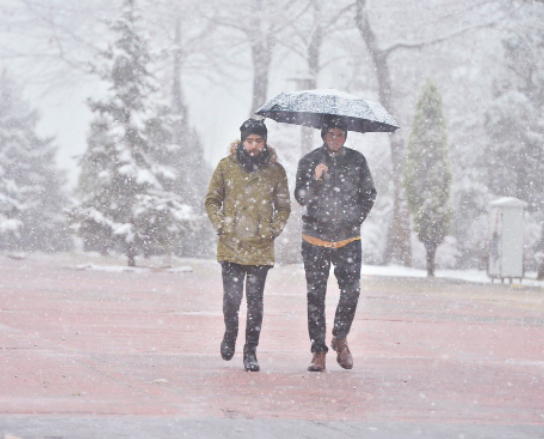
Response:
column 312, row 107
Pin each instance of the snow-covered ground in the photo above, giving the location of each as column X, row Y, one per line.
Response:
column 123, row 268
column 466, row 275
column 82, row 261
column 477, row 276
column 473, row 275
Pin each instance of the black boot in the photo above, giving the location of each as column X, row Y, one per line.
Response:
column 250, row 359
column 228, row 346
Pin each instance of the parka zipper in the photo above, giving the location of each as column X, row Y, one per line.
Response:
column 234, row 221
column 335, row 197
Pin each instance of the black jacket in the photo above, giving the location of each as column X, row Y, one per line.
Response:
column 335, row 206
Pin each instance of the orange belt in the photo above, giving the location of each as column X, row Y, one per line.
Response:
column 321, row 243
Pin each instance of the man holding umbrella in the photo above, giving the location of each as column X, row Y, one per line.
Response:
column 335, row 187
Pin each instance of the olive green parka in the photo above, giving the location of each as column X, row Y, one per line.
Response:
column 248, row 210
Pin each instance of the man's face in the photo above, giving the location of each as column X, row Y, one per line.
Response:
column 254, row 144
column 335, row 139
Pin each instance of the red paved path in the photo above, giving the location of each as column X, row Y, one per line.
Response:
column 92, row 343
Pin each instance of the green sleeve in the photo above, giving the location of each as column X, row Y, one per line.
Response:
column 282, row 203
column 214, row 199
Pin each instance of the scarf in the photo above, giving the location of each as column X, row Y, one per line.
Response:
column 249, row 163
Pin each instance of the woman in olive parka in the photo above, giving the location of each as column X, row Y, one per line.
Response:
column 248, row 205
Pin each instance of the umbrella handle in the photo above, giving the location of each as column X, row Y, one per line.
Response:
column 323, row 162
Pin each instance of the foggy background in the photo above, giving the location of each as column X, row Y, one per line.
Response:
column 226, row 58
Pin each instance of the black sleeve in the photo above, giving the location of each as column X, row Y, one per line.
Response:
column 306, row 185
column 367, row 191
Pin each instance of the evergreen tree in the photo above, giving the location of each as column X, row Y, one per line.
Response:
column 168, row 151
column 97, row 236
column 427, row 175
column 193, row 174
column 178, row 145
column 31, row 197
column 515, row 152
column 125, row 199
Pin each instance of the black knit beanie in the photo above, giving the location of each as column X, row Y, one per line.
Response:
column 253, row 126
column 330, row 122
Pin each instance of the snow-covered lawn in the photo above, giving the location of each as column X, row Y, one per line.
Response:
column 116, row 264
column 466, row 275
column 124, row 268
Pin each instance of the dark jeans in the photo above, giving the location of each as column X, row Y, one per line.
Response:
column 233, row 292
column 347, row 269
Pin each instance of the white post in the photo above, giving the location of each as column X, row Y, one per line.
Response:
column 506, row 239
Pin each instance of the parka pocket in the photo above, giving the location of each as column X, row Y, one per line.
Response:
column 228, row 224
column 264, row 229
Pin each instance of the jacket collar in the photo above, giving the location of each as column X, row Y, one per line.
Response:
column 327, row 155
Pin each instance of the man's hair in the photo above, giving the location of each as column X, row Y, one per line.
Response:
column 330, row 122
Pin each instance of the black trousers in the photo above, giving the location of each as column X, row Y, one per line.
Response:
column 233, row 292
column 347, row 269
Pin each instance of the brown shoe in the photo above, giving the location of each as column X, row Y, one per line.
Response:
column 318, row 362
column 344, row 358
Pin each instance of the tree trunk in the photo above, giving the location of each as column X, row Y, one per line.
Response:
column 131, row 256
column 306, row 133
column 184, row 166
column 262, row 44
column 178, row 100
column 314, row 67
column 431, row 252
column 261, row 67
column 398, row 246
column 540, row 273
column 314, row 47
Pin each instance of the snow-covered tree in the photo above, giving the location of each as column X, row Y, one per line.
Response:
column 174, row 144
column 99, row 141
column 515, row 151
column 31, row 197
column 427, row 175
column 125, row 198
column 174, row 141
column 391, row 31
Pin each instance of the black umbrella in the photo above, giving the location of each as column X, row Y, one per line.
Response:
column 312, row 107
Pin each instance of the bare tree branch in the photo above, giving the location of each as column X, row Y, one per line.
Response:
column 340, row 14
column 422, row 44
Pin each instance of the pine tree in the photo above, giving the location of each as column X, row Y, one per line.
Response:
column 193, row 173
column 97, row 236
column 177, row 144
column 168, row 152
column 427, row 175
column 125, row 200
column 31, row 197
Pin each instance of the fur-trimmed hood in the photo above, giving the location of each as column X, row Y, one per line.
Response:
column 272, row 155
